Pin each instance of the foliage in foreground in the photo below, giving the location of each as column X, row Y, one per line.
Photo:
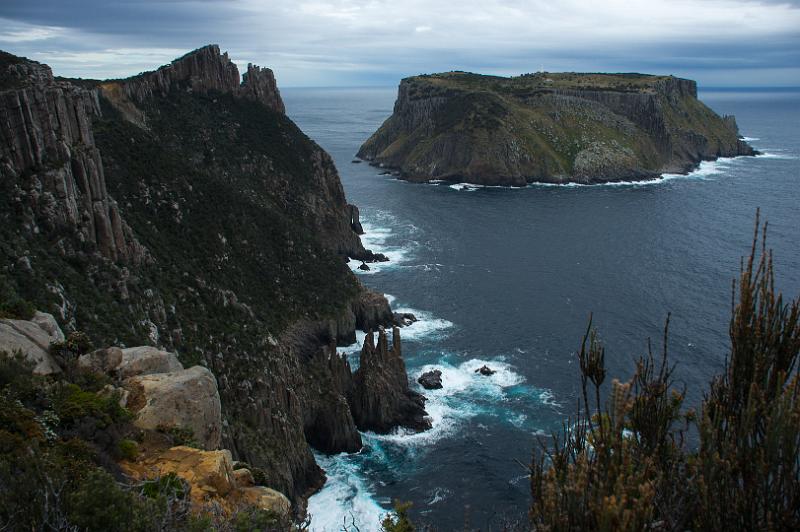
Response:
column 626, row 464
column 60, row 438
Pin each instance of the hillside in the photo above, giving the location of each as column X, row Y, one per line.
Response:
column 549, row 127
column 182, row 209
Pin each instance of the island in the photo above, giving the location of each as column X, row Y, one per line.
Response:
column 549, row 128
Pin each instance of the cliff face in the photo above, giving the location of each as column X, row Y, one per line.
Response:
column 182, row 209
column 584, row 128
column 49, row 154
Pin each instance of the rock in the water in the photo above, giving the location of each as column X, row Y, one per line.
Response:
column 404, row 319
column 485, row 371
column 32, row 339
column 356, row 161
column 431, row 380
column 186, row 399
column 381, row 399
column 363, row 267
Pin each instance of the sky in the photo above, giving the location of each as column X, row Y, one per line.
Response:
column 720, row 43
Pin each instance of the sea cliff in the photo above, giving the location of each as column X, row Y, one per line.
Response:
column 547, row 127
column 181, row 209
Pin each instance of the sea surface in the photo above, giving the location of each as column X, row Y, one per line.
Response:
column 509, row 277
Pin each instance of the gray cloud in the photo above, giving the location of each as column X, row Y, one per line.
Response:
column 339, row 42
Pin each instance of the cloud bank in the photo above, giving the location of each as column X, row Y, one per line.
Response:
column 357, row 42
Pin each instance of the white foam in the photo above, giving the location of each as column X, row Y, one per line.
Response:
column 376, row 238
column 345, row 497
column 750, row 139
column 778, row 155
column 454, row 403
column 426, row 325
column 469, row 187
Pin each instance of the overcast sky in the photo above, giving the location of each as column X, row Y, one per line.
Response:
column 377, row 42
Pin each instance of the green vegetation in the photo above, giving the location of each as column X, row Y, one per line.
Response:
column 398, row 520
column 548, row 127
column 626, row 465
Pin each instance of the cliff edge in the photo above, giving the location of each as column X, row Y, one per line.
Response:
column 548, row 127
column 181, row 209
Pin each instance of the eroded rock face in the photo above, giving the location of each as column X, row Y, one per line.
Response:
column 187, row 399
column 49, row 160
column 549, row 127
column 203, row 70
column 381, row 399
column 32, row 339
column 212, row 479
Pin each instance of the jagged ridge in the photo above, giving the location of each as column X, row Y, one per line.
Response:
column 234, row 231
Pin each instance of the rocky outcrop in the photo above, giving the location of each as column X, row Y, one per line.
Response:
column 32, row 339
column 329, row 425
column 585, row 128
column 186, row 399
column 211, row 479
column 202, row 71
column 50, row 166
column 431, row 380
column 381, row 399
column 372, row 310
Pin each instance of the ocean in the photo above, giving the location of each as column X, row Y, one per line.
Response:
column 509, row 277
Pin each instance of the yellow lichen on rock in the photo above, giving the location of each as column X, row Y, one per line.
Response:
column 211, row 477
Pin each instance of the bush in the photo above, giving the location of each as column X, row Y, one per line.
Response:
column 71, row 404
column 398, row 520
column 128, row 449
column 625, row 464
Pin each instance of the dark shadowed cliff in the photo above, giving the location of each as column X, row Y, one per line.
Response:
column 544, row 127
column 181, row 208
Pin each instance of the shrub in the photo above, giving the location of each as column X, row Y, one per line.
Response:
column 624, row 464
column 398, row 520
column 128, row 449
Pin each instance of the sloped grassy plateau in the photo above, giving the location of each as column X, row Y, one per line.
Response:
column 549, row 127
column 182, row 208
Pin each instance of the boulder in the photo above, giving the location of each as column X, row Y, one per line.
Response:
column 146, row 360
column 102, row 360
column 363, row 267
column 266, row 499
column 431, row 380
column 32, row 339
column 243, row 477
column 186, row 399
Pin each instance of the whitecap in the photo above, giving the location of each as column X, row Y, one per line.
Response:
column 379, row 238
column 776, row 154
column 469, row 187
column 750, row 139
column 426, row 326
column 345, row 497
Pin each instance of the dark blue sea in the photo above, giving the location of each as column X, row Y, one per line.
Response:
column 508, row 278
